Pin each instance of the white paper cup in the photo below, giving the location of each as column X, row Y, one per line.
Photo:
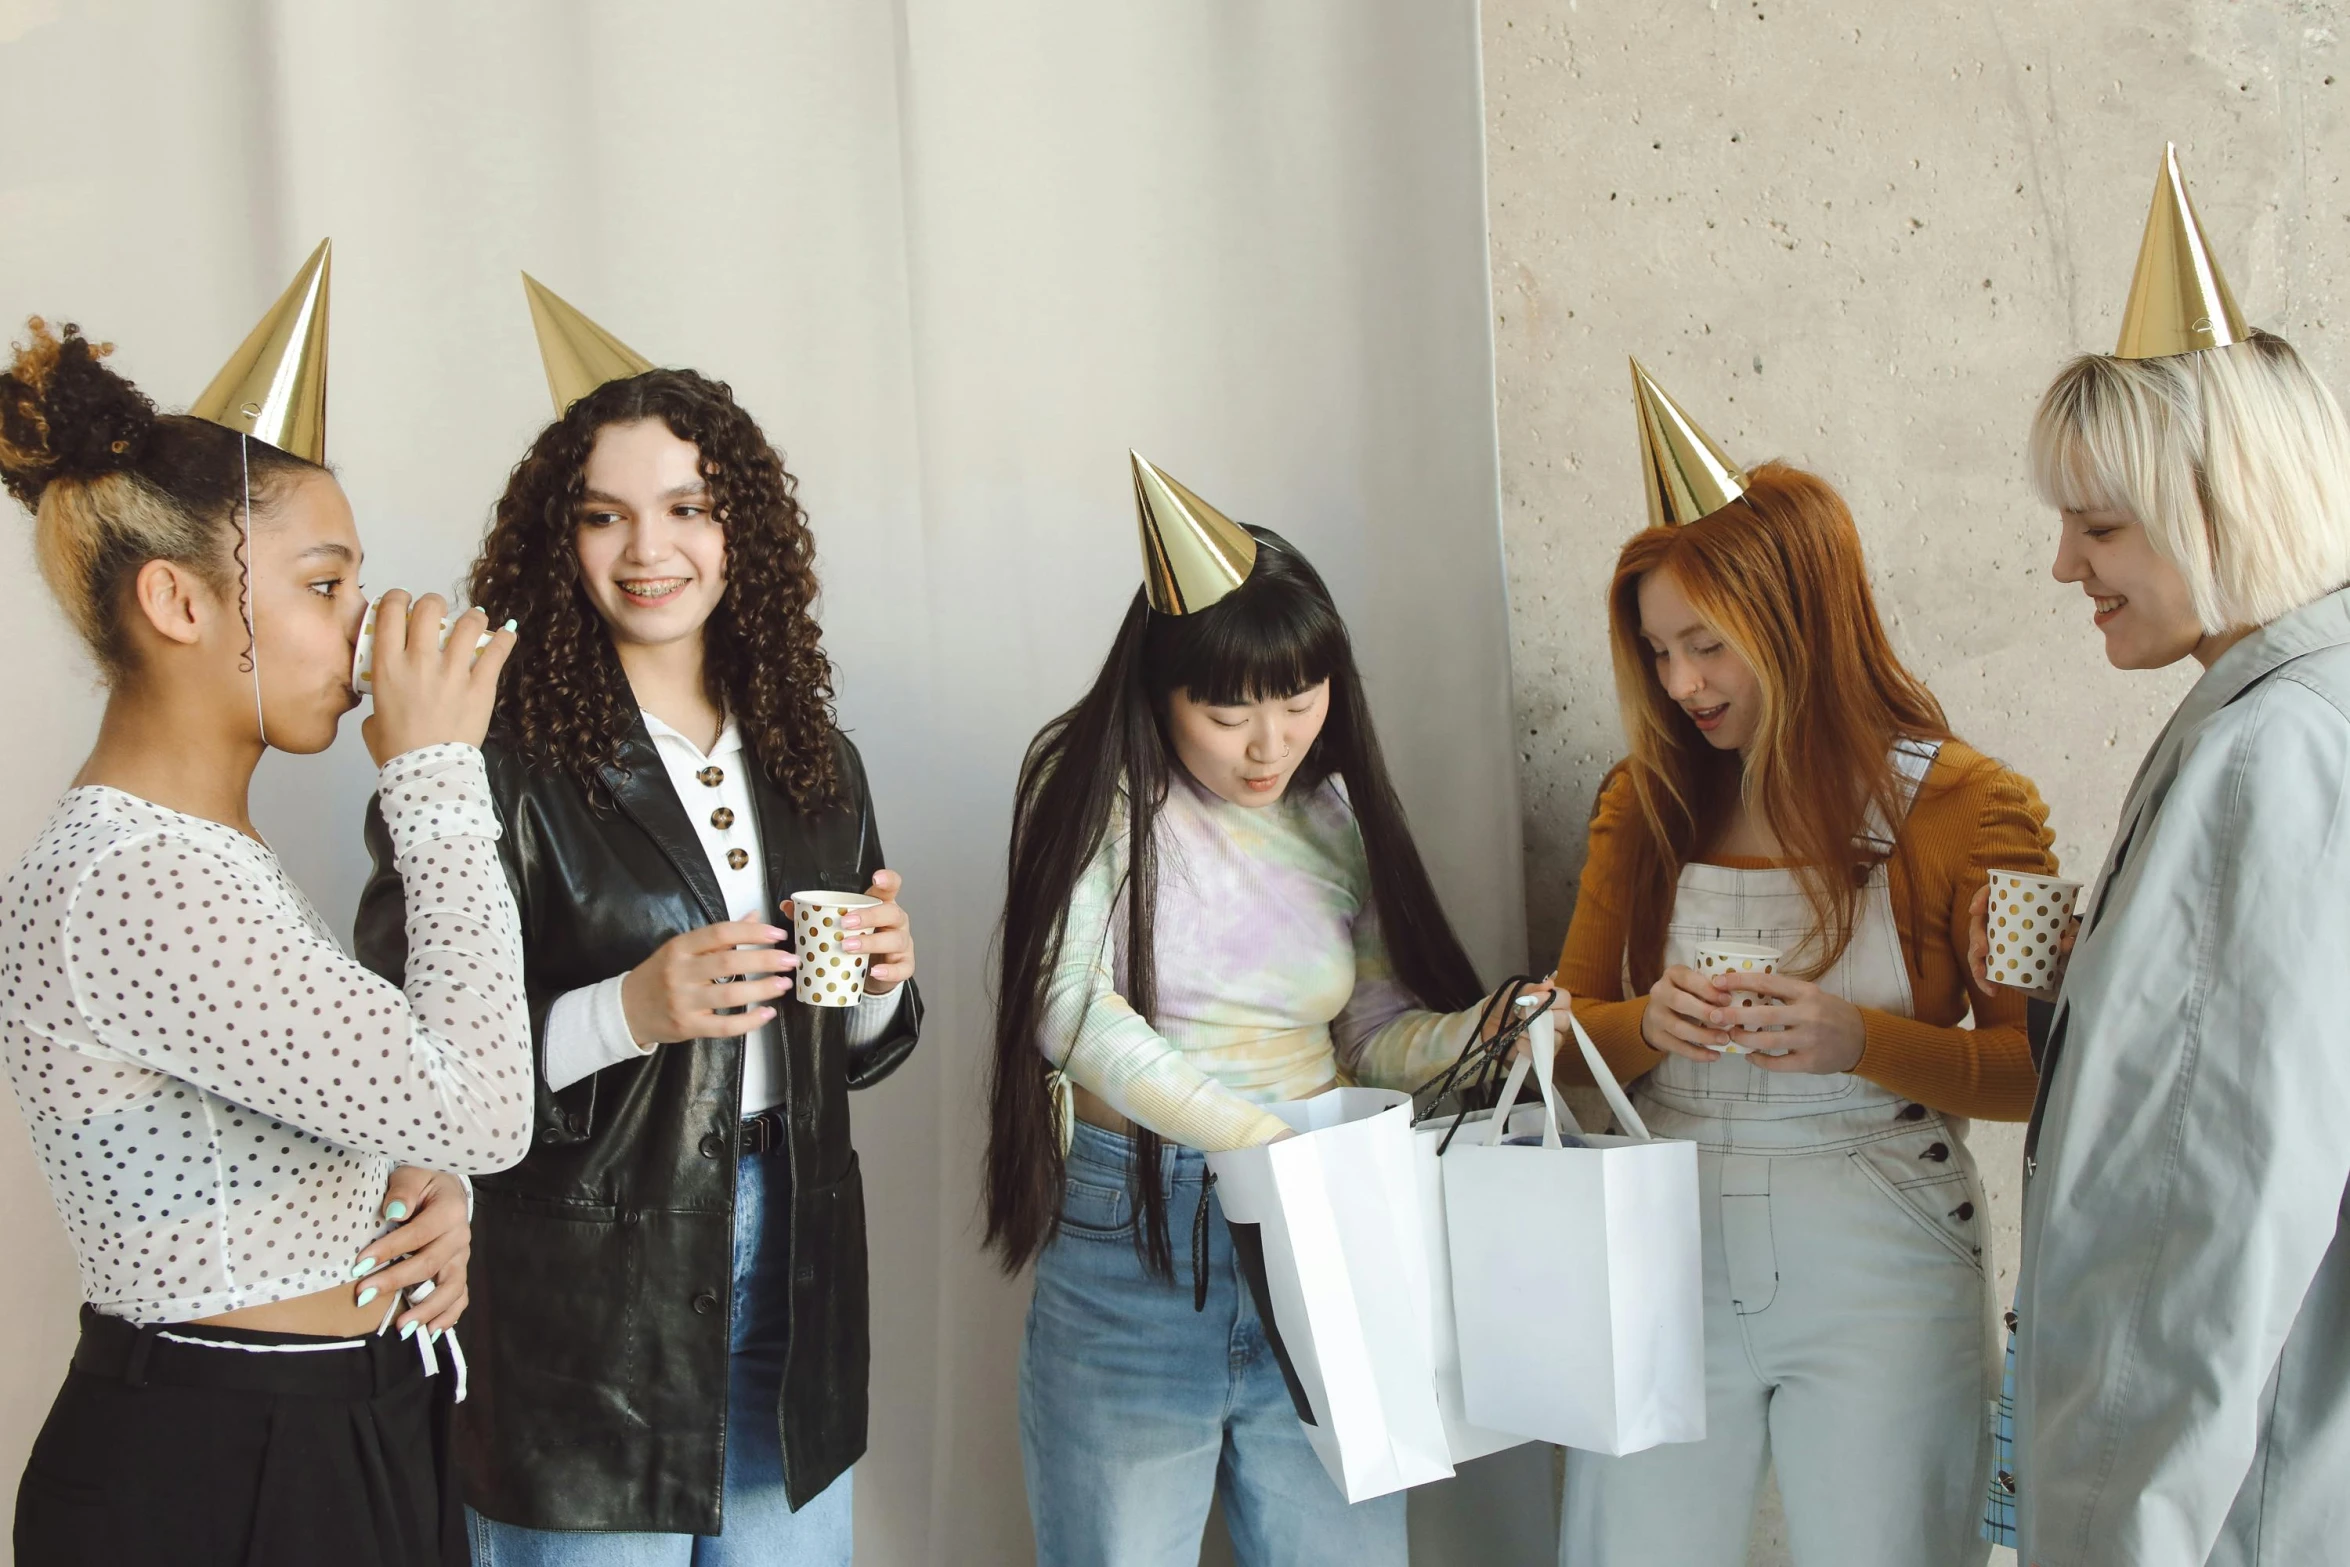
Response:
column 827, row 976
column 2026, row 922
column 1725, row 961
column 363, row 652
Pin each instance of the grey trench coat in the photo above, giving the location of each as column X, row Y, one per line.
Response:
column 2183, row 1380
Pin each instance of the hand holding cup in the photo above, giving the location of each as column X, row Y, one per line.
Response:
column 2020, row 932
column 851, row 944
column 427, row 693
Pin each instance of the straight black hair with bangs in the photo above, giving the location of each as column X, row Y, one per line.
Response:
column 1275, row 635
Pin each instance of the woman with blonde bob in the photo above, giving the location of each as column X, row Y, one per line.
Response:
column 2183, row 1341
column 1791, row 787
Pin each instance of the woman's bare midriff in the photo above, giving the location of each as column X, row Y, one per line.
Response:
column 1094, row 1110
column 327, row 1314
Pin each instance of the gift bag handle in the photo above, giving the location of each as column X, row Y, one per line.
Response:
column 1542, row 1037
column 1542, row 1040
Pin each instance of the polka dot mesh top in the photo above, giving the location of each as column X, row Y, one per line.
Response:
column 215, row 1088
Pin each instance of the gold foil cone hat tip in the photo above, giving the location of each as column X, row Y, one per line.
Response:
column 273, row 388
column 1687, row 475
column 1192, row 554
column 2179, row 299
column 579, row 355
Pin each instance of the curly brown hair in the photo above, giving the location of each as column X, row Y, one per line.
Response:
column 565, row 702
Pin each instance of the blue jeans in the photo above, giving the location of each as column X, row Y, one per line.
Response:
column 1135, row 1410
column 760, row 1526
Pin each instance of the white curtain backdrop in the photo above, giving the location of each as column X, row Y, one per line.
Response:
column 957, row 255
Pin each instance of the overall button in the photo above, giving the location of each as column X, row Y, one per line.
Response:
column 713, row 1145
column 705, row 1303
column 1913, row 1112
column 1963, row 1212
column 712, row 776
column 1939, row 1153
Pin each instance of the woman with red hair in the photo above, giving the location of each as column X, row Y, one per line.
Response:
column 1790, row 785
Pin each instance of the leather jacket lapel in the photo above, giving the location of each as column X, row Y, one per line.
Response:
column 640, row 786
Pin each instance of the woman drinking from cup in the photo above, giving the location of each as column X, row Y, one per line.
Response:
column 2182, row 1387
column 234, row 1116
column 670, row 1292
column 1214, row 905
column 1796, row 827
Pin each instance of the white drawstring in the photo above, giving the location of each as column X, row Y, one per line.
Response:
column 263, row 1349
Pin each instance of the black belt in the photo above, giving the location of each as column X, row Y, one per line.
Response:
column 763, row 1133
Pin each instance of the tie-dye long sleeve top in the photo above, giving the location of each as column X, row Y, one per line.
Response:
column 1272, row 975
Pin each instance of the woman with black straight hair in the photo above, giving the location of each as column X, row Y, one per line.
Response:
column 1214, row 905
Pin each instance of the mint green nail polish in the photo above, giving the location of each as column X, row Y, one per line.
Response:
column 367, row 1294
column 407, row 1330
column 395, row 1209
column 364, row 1267
column 509, row 626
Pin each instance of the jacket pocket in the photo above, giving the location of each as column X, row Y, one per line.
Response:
column 536, row 1253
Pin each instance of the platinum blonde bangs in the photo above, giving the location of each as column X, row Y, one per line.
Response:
column 2235, row 460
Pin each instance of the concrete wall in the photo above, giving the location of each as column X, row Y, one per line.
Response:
column 1863, row 237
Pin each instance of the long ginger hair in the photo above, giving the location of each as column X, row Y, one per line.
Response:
column 1778, row 575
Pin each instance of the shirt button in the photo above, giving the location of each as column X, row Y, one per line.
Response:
column 713, row 1145
column 713, row 776
column 705, row 1303
column 722, row 818
column 736, row 859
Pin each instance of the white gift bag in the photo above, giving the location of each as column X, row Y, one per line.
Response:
column 1465, row 1439
column 1577, row 1277
column 1327, row 1232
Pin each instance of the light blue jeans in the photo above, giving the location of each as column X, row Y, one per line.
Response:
column 760, row 1526
column 1135, row 1411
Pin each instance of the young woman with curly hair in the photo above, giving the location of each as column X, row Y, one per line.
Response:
column 1790, row 784
column 670, row 1344
column 231, row 1112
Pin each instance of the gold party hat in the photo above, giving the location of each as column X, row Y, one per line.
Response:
column 579, row 355
column 273, row 387
column 1688, row 477
column 1192, row 554
column 2179, row 301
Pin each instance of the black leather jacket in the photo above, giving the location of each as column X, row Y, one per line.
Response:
column 598, row 1328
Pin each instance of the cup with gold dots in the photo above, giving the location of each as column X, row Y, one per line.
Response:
column 1724, row 961
column 2026, row 925
column 827, row 976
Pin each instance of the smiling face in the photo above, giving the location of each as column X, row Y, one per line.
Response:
column 1247, row 753
column 307, row 604
column 2140, row 601
column 1700, row 672
column 651, row 554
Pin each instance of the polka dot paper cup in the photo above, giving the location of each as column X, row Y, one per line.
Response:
column 2026, row 922
column 363, row 651
column 1725, row 961
column 827, row 976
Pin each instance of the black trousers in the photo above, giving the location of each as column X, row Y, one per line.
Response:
column 159, row 1454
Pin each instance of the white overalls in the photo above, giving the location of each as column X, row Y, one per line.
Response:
column 1846, row 1314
